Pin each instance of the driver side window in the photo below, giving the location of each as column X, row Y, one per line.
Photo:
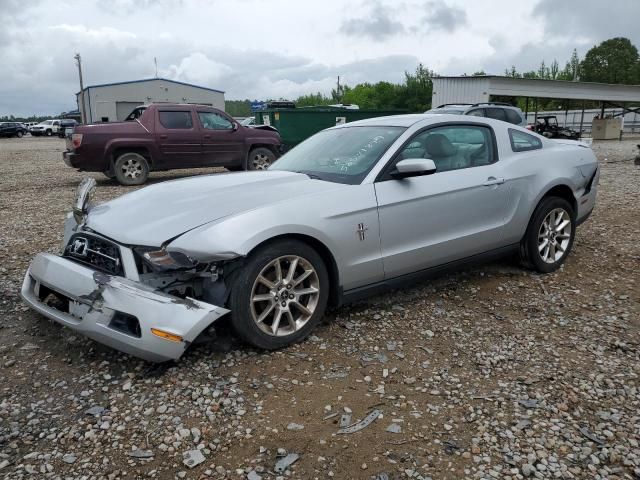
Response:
column 213, row 121
column 452, row 147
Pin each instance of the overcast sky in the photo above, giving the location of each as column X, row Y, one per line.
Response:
column 261, row 49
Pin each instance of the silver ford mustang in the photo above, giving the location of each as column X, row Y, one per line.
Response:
column 351, row 210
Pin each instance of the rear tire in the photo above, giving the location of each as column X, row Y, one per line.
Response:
column 260, row 159
column 19, row 134
column 272, row 307
column 549, row 236
column 131, row 169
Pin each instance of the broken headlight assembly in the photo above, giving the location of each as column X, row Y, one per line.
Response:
column 82, row 200
column 165, row 260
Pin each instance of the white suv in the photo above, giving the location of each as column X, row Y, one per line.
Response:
column 496, row 110
column 48, row 128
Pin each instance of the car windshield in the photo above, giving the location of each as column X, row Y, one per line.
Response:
column 340, row 155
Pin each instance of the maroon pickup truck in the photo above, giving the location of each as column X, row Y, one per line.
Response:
column 165, row 136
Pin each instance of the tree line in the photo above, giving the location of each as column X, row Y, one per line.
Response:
column 613, row 61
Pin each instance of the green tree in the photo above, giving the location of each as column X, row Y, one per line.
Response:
column 613, row 61
column 554, row 69
column 238, row 108
column 571, row 70
column 313, row 99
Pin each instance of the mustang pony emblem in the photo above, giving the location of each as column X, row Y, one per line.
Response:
column 361, row 229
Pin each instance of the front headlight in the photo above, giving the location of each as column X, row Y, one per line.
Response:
column 165, row 260
column 82, row 201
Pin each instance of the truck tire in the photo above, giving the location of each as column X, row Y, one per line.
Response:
column 48, row 133
column 131, row 169
column 260, row 159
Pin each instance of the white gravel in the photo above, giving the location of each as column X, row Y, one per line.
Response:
column 495, row 372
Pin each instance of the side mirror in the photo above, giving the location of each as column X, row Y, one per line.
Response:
column 413, row 167
column 235, row 126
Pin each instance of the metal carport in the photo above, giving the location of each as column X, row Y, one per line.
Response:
column 481, row 88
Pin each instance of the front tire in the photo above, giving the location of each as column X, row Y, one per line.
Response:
column 260, row 159
column 131, row 169
column 48, row 133
column 279, row 295
column 549, row 236
column 19, row 134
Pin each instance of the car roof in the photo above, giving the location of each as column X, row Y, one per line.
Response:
column 421, row 119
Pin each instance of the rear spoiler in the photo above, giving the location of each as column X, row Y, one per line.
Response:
column 585, row 143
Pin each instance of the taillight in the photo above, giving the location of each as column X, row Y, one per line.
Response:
column 76, row 139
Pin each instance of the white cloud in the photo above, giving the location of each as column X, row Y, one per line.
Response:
column 282, row 48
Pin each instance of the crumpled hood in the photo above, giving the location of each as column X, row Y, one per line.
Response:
column 152, row 215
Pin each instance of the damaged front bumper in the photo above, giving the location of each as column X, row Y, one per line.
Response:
column 116, row 311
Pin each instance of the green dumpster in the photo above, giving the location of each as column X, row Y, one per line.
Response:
column 298, row 124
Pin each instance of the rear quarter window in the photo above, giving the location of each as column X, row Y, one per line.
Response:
column 523, row 142
column 513, row 117
column 497, row 113
column 176, row 119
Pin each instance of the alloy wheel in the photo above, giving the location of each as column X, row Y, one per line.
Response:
column 261, row 161
column 285, row 295
column 554, row 235
column 132, row 168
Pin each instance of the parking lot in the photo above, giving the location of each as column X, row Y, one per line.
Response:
column 495, row 372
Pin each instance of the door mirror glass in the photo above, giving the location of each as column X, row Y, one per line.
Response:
column 413, row 167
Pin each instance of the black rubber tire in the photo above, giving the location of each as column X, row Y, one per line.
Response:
column 48, row 133
column 259, row 151
column 529, row 254
column 242, row 284
column 19, row 134
column 119, row 174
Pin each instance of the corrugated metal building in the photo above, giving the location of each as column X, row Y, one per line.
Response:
column 482, row 88
column 112, row 102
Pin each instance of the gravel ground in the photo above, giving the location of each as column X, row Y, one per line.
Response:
column 495, row 372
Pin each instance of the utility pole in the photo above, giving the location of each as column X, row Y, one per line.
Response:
column 84, row 111
column 155, row 61
column 338, row 94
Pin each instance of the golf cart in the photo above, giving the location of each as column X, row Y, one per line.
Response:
column 547, row 125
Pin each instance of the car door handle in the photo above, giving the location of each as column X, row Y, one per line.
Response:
column 493, row 181
column 163, row 136
column 207, row 136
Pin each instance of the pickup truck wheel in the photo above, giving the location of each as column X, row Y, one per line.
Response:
column 260, row 159
column 279, row 295
column 131, row 169
column 48, row 133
